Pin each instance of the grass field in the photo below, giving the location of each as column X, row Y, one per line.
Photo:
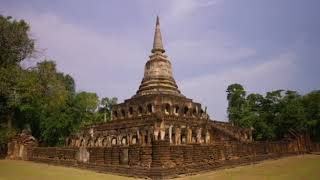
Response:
column 299, row 167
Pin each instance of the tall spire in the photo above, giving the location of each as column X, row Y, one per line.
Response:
column 157, row 42
column 158, row 76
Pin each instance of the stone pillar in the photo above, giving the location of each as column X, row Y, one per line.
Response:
column 83, row 155
column 119, row 138
column 199, row 135
column 156, row 133
column 162, row 130
column 189, row 135
column 207, row 137
column 138, row 136
column 108, row 141
column 129, row 139
column 170, row 134
column 177, row 136
column 142, row 138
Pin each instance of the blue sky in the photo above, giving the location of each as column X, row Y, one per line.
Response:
column 263, row 45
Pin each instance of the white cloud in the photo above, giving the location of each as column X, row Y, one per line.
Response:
column 275, row 73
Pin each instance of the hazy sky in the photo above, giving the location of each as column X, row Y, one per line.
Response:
column 262, row 44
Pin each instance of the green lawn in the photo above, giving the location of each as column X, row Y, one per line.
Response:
column 306, row 167
column 298, row 167
column 23, row 170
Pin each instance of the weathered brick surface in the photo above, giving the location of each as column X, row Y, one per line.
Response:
column 115, row 156
column 145, row 156
column 160, row 154
column 96, row 155
column 107, row 156
column 134, row 155
column 160, row 160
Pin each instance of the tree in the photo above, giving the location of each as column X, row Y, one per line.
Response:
column 106, row 108
column 311, row 103
column 275, row 115
column 42, row 93
column 86, row 105
column 15, row 46
column 15, row 43
column 40, row 98
column 236, row 101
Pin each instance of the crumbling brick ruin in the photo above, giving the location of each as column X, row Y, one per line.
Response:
column 159, row 133
column 19, row 147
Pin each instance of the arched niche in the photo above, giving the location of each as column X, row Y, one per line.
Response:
column 140, row 110
column 82, row 143
column 90, row 143
column 134, row 139
column 124, row 140
column 105, row 142
column 176, row 110
column 123, row 113
column 183, row 139
column 167, row 109
column 96, row 142
column 130, row 112
column 150, row 108
column 114, row 141
column 185, row 110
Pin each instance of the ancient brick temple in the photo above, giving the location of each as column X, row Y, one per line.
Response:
column 159, row 112
column 160, row 133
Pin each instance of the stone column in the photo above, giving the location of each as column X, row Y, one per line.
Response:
column 142, row 141
column 177, row 136
column 207, row 137
column 156, row 133
column 108, row 141
column 162, row 130
column 129, row 139
column 199, row 135
column 189, row 135
column 170, row 134
column 138, row 136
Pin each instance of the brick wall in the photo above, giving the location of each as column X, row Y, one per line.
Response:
column 162, row 160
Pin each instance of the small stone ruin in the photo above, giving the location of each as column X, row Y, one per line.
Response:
column 20, row 146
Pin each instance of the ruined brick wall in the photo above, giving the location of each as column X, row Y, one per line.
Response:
column 164, row 160
column 58, row 153
column 19, row 146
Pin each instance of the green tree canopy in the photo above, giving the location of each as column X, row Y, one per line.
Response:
column 15, row 42
column 15, row 46
column 276, row 114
